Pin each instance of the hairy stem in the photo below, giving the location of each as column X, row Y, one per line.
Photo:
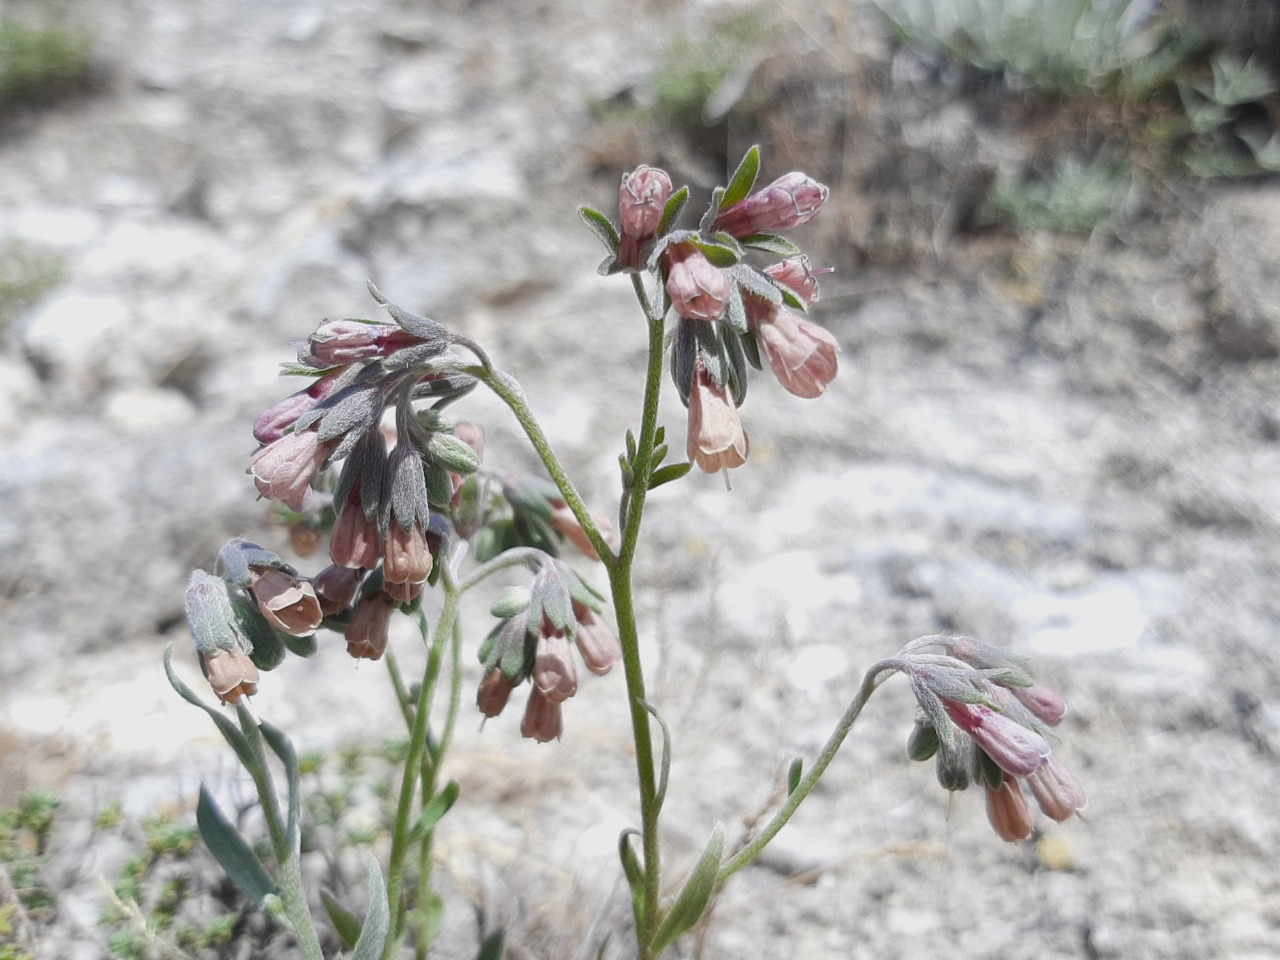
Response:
column 872, row 680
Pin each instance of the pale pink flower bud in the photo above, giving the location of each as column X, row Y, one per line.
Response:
column 1009, row 812
column 282, row 470
column 789, row 201
column 336, row 587
column 716, row 439
column 230, row 673
column 493, row 693
column 795, row 274
column 1056, row 790
column 801, row 354
column 272, row 422
column 698, row 290
column 366, row 634
column 554, row 673
column 641, row 200
column 288, row 602
column 1015, row 749
column 339, row 342
column 1045, row 703
column 543, row 720
column 597, row 642
column 406, row 557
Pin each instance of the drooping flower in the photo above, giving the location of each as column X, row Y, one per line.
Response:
column 597, row 642
column 554, row 673
column 276, row 419
column 282, row 470
column 1045, row 703
column 406, row 515
column 1015, row 749
column 494, row 692
column 789, row 201
column 801, row 354
column 231, row 674
column 716, row 440
column 567, row 525
column 1057, row 790
column 796, row 274
column 366, row 634
column 1008, row 811
column 543, row 719
column 288, row 601
column 698, row 289
column 336, row 587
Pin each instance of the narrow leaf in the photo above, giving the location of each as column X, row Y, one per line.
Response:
column 695, row 896
column 344, row 921
column 671, row 212
column 672, row 471
column 230, row 850
column 665, row 770
column 793, row 775
column 373, row 935
column 229, row 731
column 659, row 454
column 438, row 806
column 631, row 445
column 720, row 254
column 771, row 243
column 709, row 218
column 491, row 949
column 602, row 227
column 659, row 434
column 283, row 748
column 634, row 873
column 743, row 179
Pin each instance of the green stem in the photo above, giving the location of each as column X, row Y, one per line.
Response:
column 870, row 682
column 620, row 583
column 400, row 839
column 509, row 392
column 402, row 692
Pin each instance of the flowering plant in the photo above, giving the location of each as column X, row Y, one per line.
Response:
column 367, row 454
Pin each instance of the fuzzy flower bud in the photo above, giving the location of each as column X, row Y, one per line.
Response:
column 698, row 290
column 641, row 200
column 1015, row 749
column 789, row 201
column 716, row 439
column 275, row 420
column 1056, row 790
column 1046, row 704
column 1008, row 811
column 795, row 274
column 282, row 470
column 543, row 720
column 339, row 342
column 493, row 693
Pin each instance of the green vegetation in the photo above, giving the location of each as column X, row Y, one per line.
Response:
column 38, row 65
column 1075, row 197
column 27, row 272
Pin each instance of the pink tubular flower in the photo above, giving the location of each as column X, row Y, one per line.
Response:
column 795, row 274
column 698, row 290
column 1047, row 704
column 339, row 342
column 597, row 642
column 493, row 693
column 366, row 634
column 1009, row 812
column 641, row 199
column 1015, row 749
column 272, row 422
column 1056, row 790
column 543, row 720
column 288, row 602
column 567, row 525
column 405, row 556
column 789, row 201
column 282, row 470
column 230, row 673
column 801, row 354
column 356, row 541
column 716, row 439
column 335, row 587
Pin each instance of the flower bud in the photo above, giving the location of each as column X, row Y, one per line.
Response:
column 493, row 693
column 543, row 720
column 1015, row 749
column 339, row 342
column 801, row 354
column 923, row 741
column 641, row 201
column 795, row 274
column 355, row 541
column 287, row 601
column 1046, row 704
column 789, row 201
column 275, row 420
column 282, row 470
column 716, row 439
column 366, row 634
column 1008, row 811
column 1056, row 790
column 698, row 290
column 336, row 587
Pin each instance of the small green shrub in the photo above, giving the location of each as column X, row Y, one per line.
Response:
column 38, row 65
column 1075, row 198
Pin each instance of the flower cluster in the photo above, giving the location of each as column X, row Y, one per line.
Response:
column 984, row 720
column 728, row 314
column 536, row 628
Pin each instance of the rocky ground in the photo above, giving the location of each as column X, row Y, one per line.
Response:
column 1065, row 446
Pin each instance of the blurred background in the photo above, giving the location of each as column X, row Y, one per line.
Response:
column 1055, row 227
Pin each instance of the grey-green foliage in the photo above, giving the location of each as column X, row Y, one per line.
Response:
column 1213, row 110
column 1066, row 45
column 1077, row 197
column 39, row 64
